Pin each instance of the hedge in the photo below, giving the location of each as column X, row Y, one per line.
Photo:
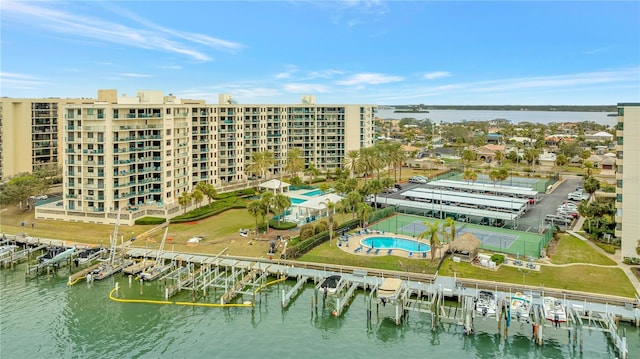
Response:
column 282, row 225
column 149, row 221
column 214, row 208
column 497, row 258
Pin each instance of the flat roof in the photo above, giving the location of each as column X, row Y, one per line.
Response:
column 455, row 197
column 485, row 187
column 507, row 216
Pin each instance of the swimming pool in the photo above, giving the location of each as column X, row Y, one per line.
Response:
column 297, row 200
column 395, row 243
column 315, row 192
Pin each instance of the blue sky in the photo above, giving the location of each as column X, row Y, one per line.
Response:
column 377, row 52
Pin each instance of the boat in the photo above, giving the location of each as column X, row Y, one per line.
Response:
column 554, row 310
column 389, row 291
column 330, row 285
column 158, row 267
column 55, row 255
column 115, row 263
column 486, row 304
column 520, row 306
column 6, row 250
column 88, row 255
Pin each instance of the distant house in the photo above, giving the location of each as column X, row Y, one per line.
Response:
column 547, row 159
column 487, row 153
column 608, row 163
column 554, row 141
column 598, row 137
column 525, row 140
column 596, row 160
column 499, row 122
column 568, row 128
column 494, row 138
column 444, row 153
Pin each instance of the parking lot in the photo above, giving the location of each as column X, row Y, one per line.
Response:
column 533, row 220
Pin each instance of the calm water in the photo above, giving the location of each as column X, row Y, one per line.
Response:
column 393, row 243
column 45, row 318
column 545, row 117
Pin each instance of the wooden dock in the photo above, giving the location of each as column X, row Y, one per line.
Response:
column 138, row 267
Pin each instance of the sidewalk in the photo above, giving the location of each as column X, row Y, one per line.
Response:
column 614, row 257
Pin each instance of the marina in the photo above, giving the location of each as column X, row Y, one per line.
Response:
column 515, row 310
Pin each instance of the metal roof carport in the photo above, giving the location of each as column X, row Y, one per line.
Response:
column 483, row 188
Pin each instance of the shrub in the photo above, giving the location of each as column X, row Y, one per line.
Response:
column 609, row 248
column 318, row 179
column 306, row 231
column 321, row 227
column 282, row 225
column 497, row 258
column 149, row 221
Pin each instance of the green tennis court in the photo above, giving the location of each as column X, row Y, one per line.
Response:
column 492, row 238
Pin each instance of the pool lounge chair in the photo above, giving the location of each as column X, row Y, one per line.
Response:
column 377, row 251
column 424, row 254
column 369, row 250
column 410, row 254
column 359, row 249
column 389, row 251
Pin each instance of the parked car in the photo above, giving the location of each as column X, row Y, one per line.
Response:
column 398, row 186
column 463, row 218
column 418, row 180
column 576, row 196
column 484, row 221
column 557, row 219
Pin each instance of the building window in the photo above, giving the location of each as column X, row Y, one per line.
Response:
column 619, row 183
column 619, row 198
column 620, row 141
column 620, row 126
column 620, row 111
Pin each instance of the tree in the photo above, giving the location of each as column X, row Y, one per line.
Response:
column 449, row 222
column 352, row 162
column 388, row 183
column 375, row 186
column 499, row 156
column 364, row 212
column 494, row 176
column 295, row 162
column 561, row 160
column 184, row 200
column 468, row 175
column 468, row 156
column 591, row 185
column 589, row 166
column 503, row 174
column 282, row 202
column 197, row 196
column 20, row 187
column 256, row 209
column 311, row 172
column 432, row 234
column 331, row 206
column 267, row 202
column 324, row 187
column 354, row 198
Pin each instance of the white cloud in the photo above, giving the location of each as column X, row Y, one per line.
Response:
column 132, row 74
column 12, row 80
column 149, row 36
column 436, row 75
column 323, row 74
column 305, row 88
column 170, row 67
column 370, row 79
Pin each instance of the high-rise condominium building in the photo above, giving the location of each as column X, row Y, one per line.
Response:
column 29, row 133
column 627, row 179
column 138, row 154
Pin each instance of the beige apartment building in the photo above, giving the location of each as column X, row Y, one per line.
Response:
column 138, row 154
column 627, row 178
column 29, row 133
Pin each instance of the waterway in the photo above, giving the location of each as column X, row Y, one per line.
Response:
column 515, row 117
column 45, row 318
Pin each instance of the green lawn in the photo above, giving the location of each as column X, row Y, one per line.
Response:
column 574, row 250
column 610, row 281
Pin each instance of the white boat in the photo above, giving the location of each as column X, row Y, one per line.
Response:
column 89, row 255
column 554, row 310
column 389, row 291
column 520, row 306
column 486, row 304
column 330, row 285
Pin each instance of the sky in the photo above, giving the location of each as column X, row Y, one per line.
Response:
column 364, row 52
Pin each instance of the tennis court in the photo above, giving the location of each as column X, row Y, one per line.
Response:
column 492, row 238
column 537, row 184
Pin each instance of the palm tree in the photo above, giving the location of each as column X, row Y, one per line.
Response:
column 364, row 213
column 208, row 190
column 367, row 161
column 354, row 198
column 467, row 175
column 493, row 176
column 256, row 209
column 267, row 202
column 197, row 196
column 268, row 160
column 503, row 174
column 331, row 206
column 468, row 156
column 388, row 183
column 375, row 186
column 449, row 222
column 282, row 202
column 295, row 162
column 255, row 166
column 311, row 172
column 184, row 200
column 352, row 162
column 432, row 233
column 499, row 156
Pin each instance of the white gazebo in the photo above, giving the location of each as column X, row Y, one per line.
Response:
column 275, row 185
column 316, row 205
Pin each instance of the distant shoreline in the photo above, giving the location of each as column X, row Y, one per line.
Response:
column 562, row 108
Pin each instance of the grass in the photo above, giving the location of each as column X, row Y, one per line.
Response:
column 611, row 281
column 574, row 250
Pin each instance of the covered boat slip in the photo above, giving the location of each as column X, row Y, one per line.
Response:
column 390, row 289
column 483, row 188
column 470, row 200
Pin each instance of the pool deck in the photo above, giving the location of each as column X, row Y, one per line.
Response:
column 352, row 244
